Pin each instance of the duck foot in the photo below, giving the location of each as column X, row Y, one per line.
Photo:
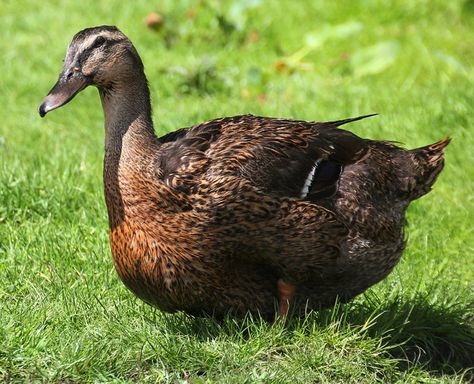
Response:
column 286, row 292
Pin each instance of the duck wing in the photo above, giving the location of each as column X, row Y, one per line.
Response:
column 284, row 158
column 288, row 158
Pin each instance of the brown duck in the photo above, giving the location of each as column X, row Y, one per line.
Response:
column 241, row 213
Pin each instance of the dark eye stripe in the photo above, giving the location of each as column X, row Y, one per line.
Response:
column 98, row 42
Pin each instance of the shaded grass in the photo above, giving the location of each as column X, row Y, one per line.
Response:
column 64, row 315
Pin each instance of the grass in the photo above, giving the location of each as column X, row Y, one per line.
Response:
column 64, row 315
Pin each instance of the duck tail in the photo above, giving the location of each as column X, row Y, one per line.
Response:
column 420, row 167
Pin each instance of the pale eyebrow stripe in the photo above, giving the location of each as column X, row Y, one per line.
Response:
column 88, row 43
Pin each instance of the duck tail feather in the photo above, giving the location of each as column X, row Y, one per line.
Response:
column 338, row 123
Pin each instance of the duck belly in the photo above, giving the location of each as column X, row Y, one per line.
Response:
column 189, row 277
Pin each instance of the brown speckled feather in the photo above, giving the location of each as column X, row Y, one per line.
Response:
column 220, row 217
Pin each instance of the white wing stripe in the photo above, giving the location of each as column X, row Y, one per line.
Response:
column 309, row 180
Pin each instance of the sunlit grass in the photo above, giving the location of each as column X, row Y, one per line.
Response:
column 65, row 316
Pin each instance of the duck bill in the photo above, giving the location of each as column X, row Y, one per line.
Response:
column 62, row 93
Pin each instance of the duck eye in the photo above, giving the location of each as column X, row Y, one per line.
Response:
column 98, row 42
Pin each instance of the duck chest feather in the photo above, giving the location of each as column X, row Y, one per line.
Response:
column 152, row 264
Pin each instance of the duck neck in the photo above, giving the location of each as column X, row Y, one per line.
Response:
column 129, row 140
column 127, row 113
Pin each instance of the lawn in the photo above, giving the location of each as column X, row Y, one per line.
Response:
column 65, row 316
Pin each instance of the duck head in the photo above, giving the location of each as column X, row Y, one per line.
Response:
column 101, row 56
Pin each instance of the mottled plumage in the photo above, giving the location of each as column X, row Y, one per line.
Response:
column 241, row 213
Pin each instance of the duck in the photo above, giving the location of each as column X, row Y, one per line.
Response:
column 242, row 214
